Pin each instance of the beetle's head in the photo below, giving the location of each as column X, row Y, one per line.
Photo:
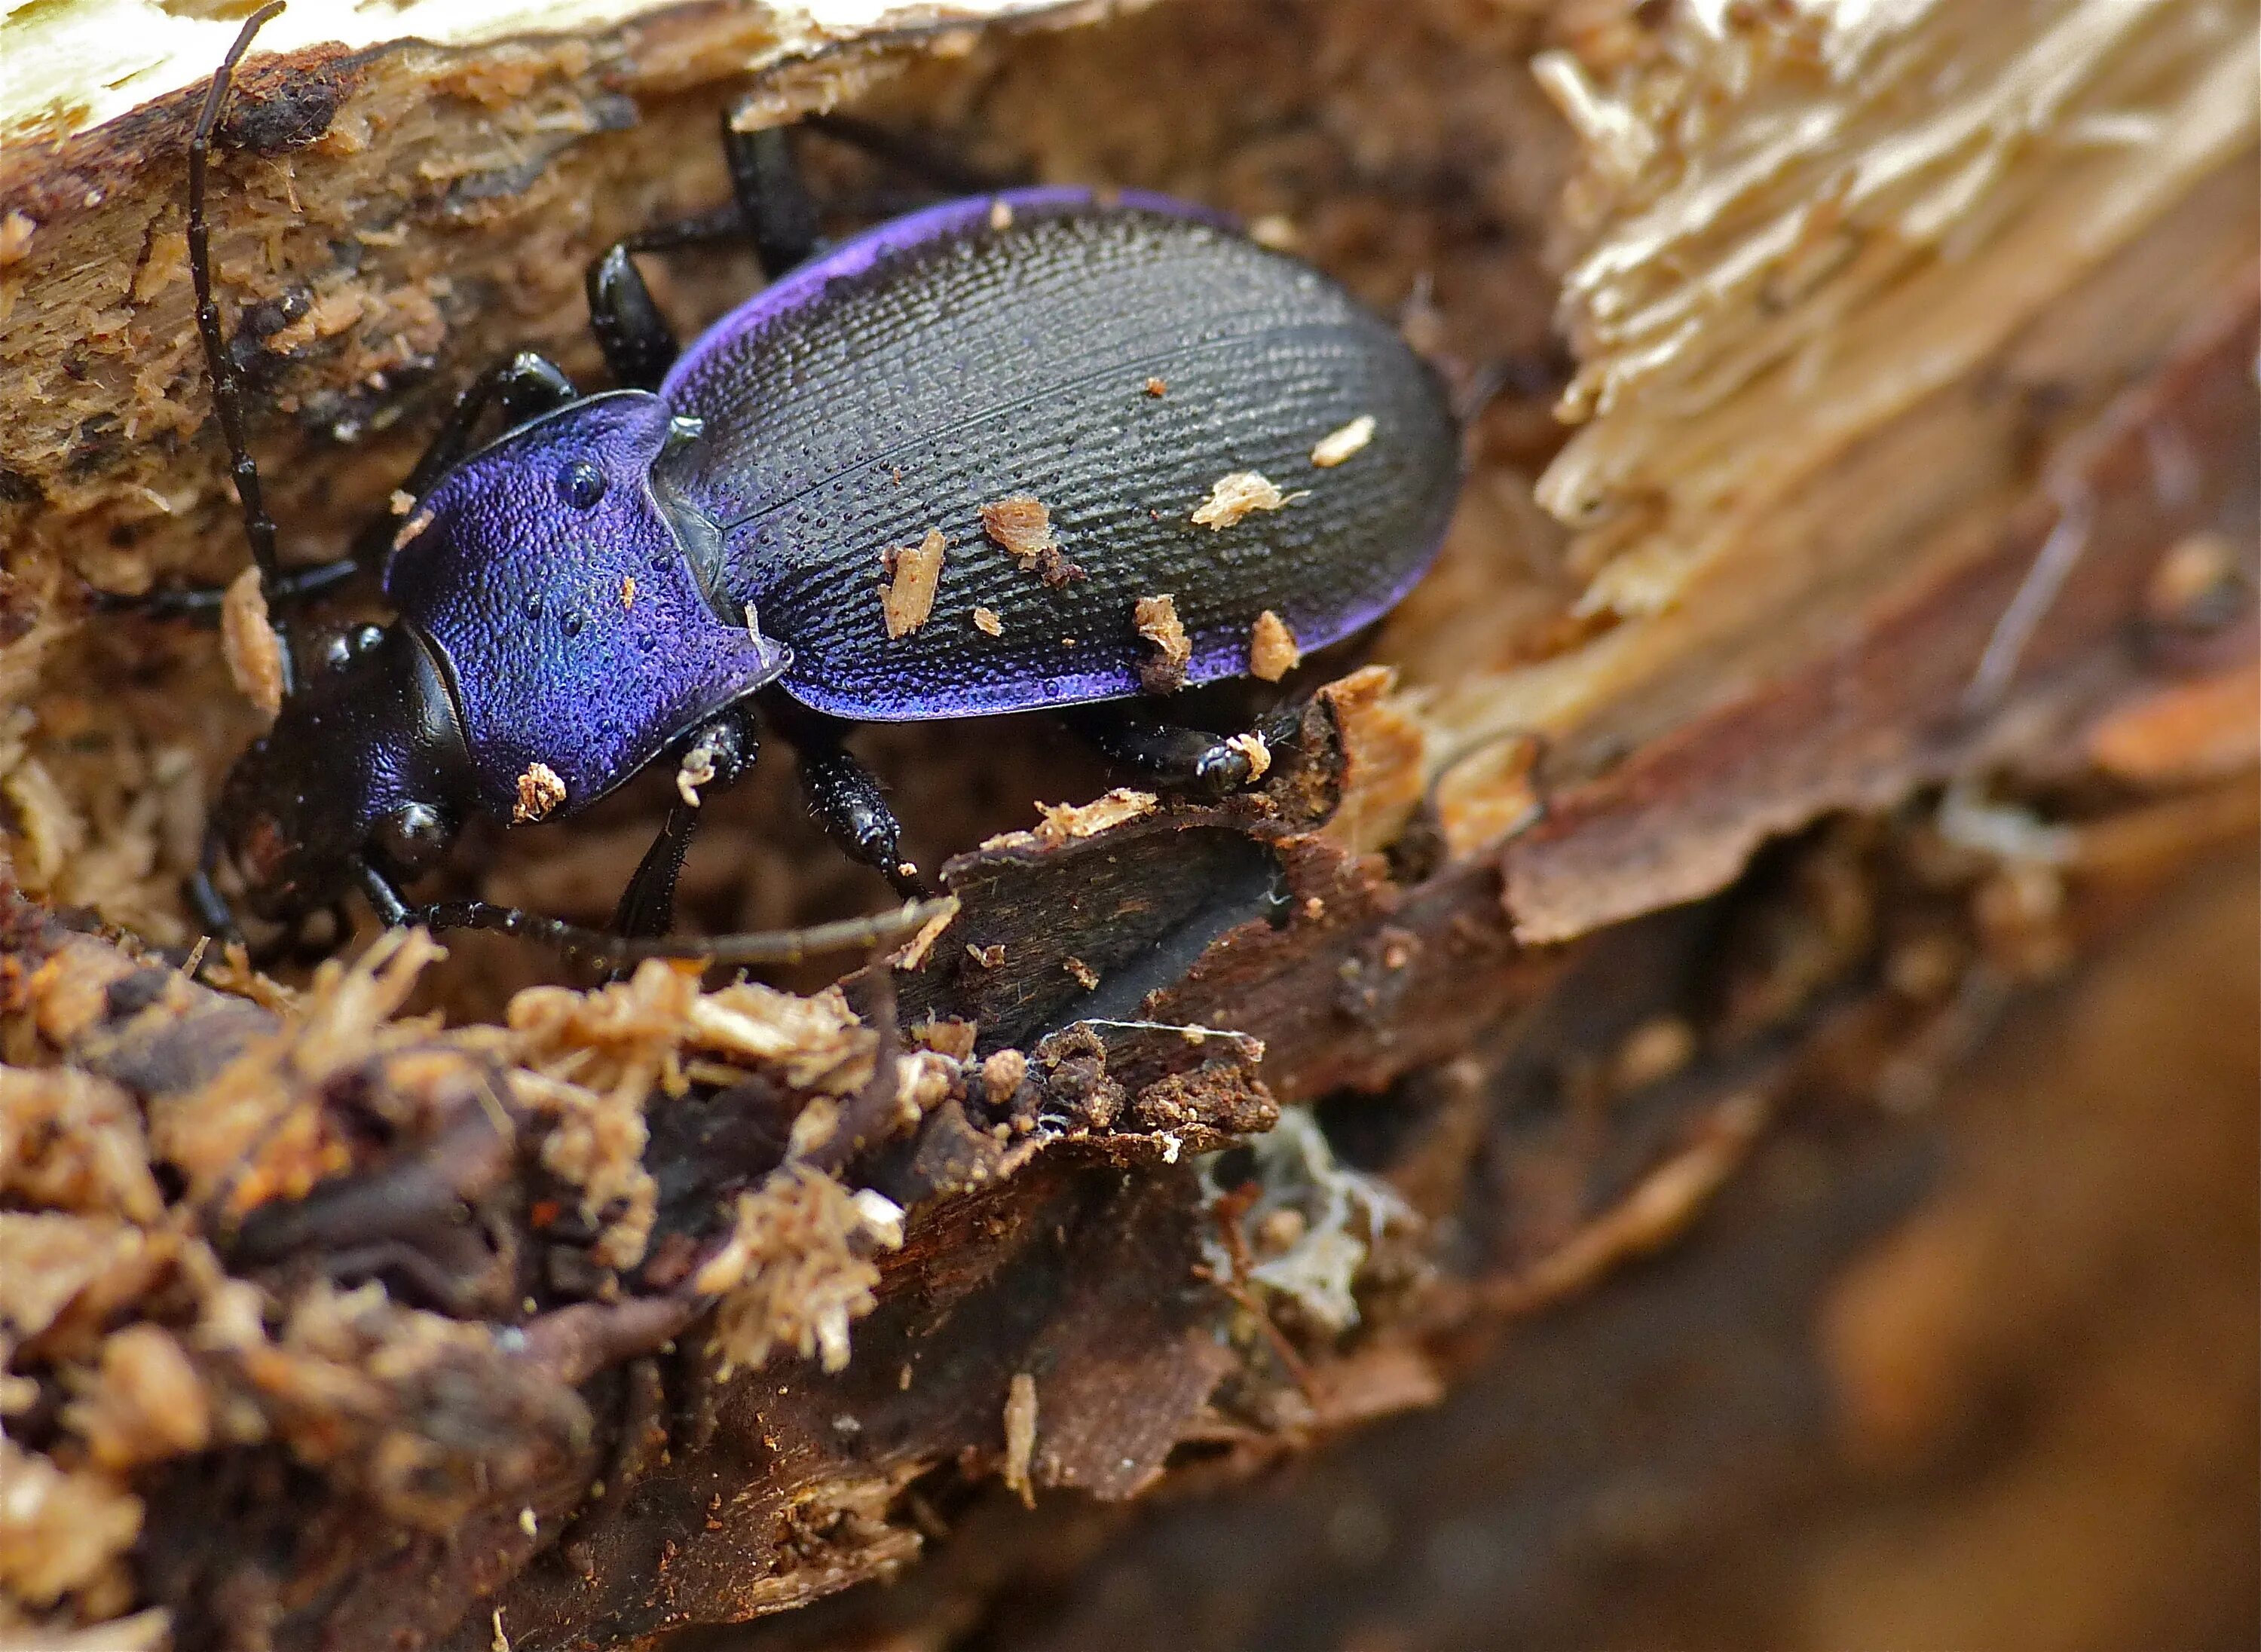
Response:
column 366, row 761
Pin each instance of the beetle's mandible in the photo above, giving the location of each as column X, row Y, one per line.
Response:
column 1036, row 448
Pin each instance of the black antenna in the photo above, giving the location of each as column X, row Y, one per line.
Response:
column 227, row 385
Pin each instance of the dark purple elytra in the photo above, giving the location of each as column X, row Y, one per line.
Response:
column 600, row 579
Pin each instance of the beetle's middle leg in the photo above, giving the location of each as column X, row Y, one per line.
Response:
column 844, row 796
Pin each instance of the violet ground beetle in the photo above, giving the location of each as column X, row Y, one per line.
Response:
column 1043, row 447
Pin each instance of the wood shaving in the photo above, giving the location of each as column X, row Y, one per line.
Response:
column 250, row 645
column 1086, row 977
column 15, row 232
column 1339, row 445
column 63, row 1531
column 951, row 1037
column 1156, row 387
column 72, row 1142
column 628, row 590
column 796, row 1269
column 410, row 528
column 1271, row 650
column 1236, row 495
column 914, row 572
column 1001, row 1073
column 987, row 622
column 1021, row 1435
column 145, row 1404
column 540, row 791
column 990, row 957
column 696, row 769
column 914, row 953
column 1164, row 671
column 1251, row 746
column 1023, row 526
column 1001, row 216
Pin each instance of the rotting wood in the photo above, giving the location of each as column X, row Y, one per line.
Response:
column 1382, row 904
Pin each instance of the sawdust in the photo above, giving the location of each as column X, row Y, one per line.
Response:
column 914, row 575
column 1021, row 1436
column 250, row 644
column 1163, row 671
column 1339, row 446
column 1023, row 526
column 540, row 791
column 1271, row 650
column 797, row 1269
column 1237, row 495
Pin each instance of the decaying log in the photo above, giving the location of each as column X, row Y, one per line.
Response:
column 1885, row 641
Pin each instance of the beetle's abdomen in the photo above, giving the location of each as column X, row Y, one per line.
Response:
column 1114, row 364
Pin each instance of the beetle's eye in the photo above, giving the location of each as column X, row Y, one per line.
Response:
column 412, row 838
column 582, row 484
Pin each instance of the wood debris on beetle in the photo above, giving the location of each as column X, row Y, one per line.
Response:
column 987, row 622
column 1237, row 494
column 696, row 769
column 1272, row 651
column 914, row 572
column 1164, row 671
column 410, row 528
column 1023, row 526
column 1339, row 445
column 1251, row 746
column 540, row 791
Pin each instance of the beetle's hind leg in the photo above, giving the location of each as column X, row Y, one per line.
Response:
column 1167, row 754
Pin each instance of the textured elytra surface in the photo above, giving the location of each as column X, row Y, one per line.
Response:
column 1113, row 363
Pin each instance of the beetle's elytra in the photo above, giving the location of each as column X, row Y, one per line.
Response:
column 1042, row 410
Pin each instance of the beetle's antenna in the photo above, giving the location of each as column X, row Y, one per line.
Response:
column 764, row 946
column 226, row 383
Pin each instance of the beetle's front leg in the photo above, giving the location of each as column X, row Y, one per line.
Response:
column 714, row 757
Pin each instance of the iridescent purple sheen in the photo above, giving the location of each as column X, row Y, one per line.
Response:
column 587, row 639
column 579, row 639
column 804, row 287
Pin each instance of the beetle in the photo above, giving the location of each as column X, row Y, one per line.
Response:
column 1147, row 451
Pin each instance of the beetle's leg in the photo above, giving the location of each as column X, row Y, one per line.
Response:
column 522, row 386
column 930, row 162
column 715, row 756
column 774, row 204
column 638, row 345
column 1167, row 753
column 844, row 796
